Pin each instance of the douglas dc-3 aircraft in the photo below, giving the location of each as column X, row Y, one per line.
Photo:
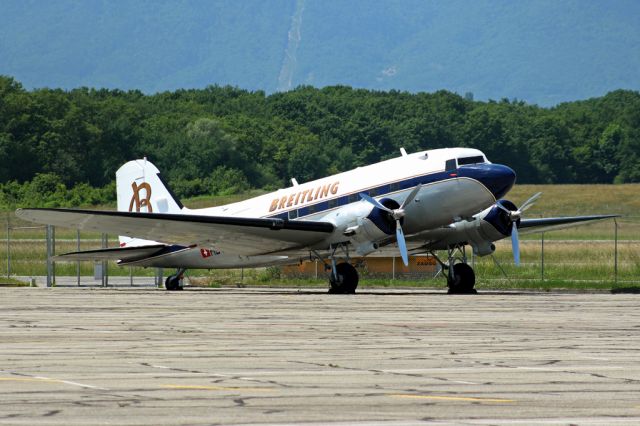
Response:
column 443, row 199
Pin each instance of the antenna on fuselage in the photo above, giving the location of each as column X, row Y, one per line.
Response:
column 403, row 152
column 294, row 182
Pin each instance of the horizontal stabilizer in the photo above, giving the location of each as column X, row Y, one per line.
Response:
column 116, row 253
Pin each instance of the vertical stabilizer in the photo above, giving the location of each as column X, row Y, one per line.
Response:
column 141, row 189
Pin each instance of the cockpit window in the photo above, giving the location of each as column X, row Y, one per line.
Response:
column 470, row 160
column 450, row 165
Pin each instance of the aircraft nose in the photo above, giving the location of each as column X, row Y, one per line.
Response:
column 497, row 178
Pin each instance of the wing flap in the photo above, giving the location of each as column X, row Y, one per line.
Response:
column 243, row 236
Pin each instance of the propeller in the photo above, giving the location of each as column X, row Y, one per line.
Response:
column 396, row 214
column 514, row 215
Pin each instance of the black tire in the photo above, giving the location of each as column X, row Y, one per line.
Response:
column 347, row 279
column 173, row 283
column 464, row 280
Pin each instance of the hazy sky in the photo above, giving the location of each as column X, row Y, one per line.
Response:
column 540, row 51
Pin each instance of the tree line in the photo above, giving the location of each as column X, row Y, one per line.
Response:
column 62, row 147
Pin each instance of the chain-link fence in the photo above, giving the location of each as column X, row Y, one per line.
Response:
column 608, row 251
column 29, row 256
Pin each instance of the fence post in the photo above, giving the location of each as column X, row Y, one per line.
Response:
column 105, row 281
column 159, row 273
column 78, row 249
column 542, row 251
column 53, row 253
column 49, row 250
column 8, row 248
column 615, row 251
column 393, row 268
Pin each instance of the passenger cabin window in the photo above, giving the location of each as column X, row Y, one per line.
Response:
column 450, row 165
column 470, row 160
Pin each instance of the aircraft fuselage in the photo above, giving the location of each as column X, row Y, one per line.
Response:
column 456, row 183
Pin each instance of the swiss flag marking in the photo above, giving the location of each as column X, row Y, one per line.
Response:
column 206, row 253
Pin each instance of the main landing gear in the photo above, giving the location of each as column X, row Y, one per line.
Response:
column 344, row 280
column 460, row 276
column 174, row 282
column 343, row 277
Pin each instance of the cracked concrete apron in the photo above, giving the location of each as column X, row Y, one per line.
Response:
column 83, row 356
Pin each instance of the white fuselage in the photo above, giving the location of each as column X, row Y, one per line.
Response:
column 297, row 202
column 444, row 198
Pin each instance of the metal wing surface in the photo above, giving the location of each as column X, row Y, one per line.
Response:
column 243, row 236
column 552, row 223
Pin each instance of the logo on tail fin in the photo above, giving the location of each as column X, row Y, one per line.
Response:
column 135, row 199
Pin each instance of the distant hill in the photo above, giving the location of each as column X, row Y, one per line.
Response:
column 543, row 51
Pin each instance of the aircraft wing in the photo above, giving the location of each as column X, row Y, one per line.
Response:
column 458, row 233
column 242, row 236
column 527, row 226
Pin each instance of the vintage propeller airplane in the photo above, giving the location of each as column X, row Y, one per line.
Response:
column 443, row 199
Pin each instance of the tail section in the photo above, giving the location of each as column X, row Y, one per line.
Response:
column 141, row 189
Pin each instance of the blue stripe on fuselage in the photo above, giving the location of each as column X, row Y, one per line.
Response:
column 496, row 178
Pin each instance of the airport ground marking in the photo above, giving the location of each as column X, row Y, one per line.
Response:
column 24, row 379
column 41, row 379
column 450, row 398
column 218, row 388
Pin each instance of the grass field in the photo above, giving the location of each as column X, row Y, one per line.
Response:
column 580, row 257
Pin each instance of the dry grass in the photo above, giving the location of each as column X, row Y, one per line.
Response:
column 583, row 253
column 580, row 199
column 574, row 260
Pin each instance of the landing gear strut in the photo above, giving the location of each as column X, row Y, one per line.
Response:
column 460, row 276
column 461, row 279
column 174, row 282
column 345, row 280
column 343, row 277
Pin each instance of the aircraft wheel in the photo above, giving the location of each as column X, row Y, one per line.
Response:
column 347, row 281
column 173, row 283
column 464, row 280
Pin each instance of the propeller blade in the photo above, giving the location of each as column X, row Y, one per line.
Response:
column 515, row 243
column 530, row 201
column 503, row 208
column 402, row 245
column 375, row 202
column 525, row 208
column 411, row 196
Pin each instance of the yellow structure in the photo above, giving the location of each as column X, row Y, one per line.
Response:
column 391, row 267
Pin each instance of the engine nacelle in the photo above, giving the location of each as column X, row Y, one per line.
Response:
column 360, row 224
column 479, row 234
column 492, row 224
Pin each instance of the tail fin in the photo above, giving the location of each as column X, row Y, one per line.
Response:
column 140, row 188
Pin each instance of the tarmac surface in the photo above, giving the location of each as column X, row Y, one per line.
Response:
column 145, row 356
